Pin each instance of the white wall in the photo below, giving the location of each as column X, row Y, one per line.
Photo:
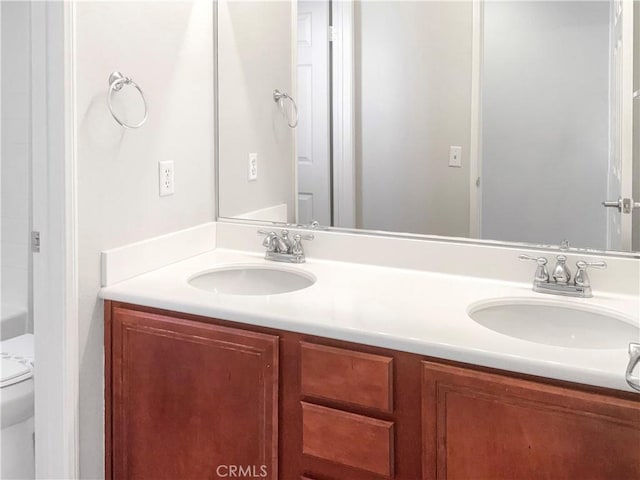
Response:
column 413, row 75
column 254, row 58
column 545, row 171
column 167, row 47
column 635, row 240
column 16, row 154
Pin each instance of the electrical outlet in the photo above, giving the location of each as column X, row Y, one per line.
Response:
column 455, row 156
column 253, row 167
column 165, row 175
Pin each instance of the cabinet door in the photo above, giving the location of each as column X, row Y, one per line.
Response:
column 191, row 400
column 481, row 425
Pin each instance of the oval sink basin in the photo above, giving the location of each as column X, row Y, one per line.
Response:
column 251, row 280
column 555, row 324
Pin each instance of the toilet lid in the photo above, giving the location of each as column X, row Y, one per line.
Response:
column 16, row 355
column 14, row 371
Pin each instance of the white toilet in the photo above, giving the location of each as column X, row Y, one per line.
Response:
column 16, row 399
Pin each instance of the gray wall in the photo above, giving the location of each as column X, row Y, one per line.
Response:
column 167, row 48
column 413, row 75
column 545, row 172
column 254, row 58
column 15, row 216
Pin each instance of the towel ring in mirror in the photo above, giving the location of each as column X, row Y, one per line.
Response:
column 278, row 96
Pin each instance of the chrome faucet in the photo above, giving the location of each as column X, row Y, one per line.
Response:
column 560, row 283
column 280, row 248
column 561, row 273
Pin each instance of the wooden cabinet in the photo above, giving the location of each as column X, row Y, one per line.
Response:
column 482, row 425
column 190, row 400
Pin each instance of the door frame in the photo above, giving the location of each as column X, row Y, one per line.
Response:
column 343, row 113
column 55, row 294
column 475, row 150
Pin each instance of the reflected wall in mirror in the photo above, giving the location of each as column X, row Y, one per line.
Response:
column 498, row 120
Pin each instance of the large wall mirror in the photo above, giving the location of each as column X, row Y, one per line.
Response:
column 512, row 121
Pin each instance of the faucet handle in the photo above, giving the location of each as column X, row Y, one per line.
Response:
column 542, row 274
column 582, row 278
column 540, row 260
column 582, row 265
column 296, row 248
column 268, row 240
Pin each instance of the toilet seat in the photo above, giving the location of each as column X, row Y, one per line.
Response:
column 16, row 380
column 13, row 370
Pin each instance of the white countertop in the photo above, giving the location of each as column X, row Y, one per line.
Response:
column 407, row 310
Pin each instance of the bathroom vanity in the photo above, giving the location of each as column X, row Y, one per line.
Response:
column 356, row 371
column 187, row 395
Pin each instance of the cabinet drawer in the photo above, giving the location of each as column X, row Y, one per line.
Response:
column 348, row 439
column 347, row 376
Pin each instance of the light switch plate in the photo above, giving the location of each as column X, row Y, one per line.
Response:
column 455, row 156
column 165, row 175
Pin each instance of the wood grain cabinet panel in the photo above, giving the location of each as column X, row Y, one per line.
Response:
column 190, row 398
column 348, row 439
column 483, row 425
column 346, row 376
column 187, row 394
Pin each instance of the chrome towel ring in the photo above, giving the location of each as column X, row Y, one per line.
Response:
column 278, row 96
column 116, row 81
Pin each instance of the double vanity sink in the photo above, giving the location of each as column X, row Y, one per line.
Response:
column 543, row 321
column 491, row 323
column 288, row 363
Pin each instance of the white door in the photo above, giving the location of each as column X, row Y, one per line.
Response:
column 620, row 177
column 312, row 134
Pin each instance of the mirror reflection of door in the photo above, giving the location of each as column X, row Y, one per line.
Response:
column 556, row 121
column 313, row 132
column 619, row 175
column 554, row 116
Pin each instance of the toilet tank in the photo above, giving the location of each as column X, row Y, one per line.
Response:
column 13, row 321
